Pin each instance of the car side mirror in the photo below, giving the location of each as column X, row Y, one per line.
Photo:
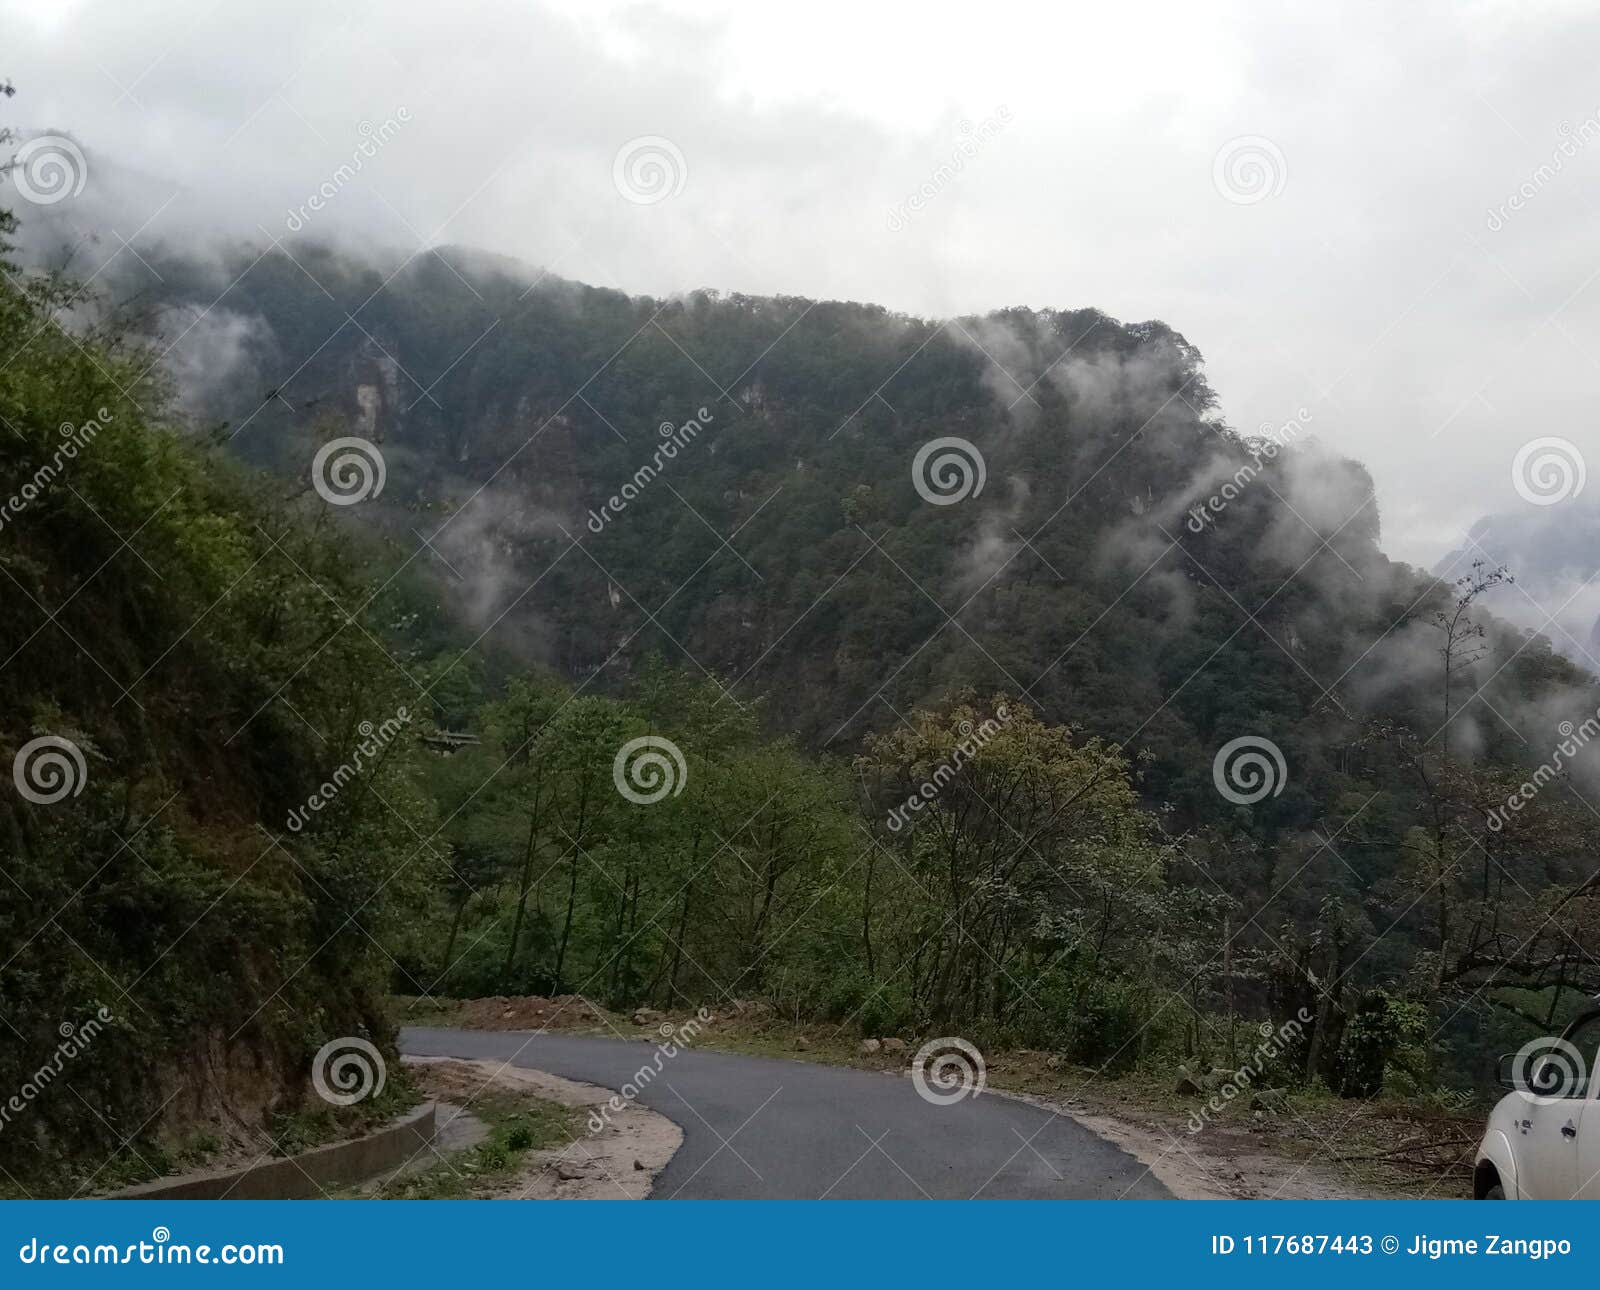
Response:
column 1505, row 1070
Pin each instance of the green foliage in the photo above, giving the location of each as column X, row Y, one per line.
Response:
column 1069, row 876
column 517, row 1125
column 201, row 645
column 1372, row 1038
column 559, row 882
column 849, row 602
column 1107, row 1022
column 1019, row 848
column 876, row 1007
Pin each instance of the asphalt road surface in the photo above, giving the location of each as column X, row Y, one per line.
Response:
column 755, row 1127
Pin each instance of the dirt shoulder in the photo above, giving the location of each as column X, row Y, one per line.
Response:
column 1223, row 1164
column 569, row 1161
column 1310, row 1146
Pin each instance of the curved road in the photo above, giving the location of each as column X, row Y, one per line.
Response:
column 756, row 1127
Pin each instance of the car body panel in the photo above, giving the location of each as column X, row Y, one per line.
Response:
column 1545, row 1144
column 1495, row 1149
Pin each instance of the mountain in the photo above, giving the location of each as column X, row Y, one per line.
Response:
column 1554, row 552
column 859, row 536
column 772, row 491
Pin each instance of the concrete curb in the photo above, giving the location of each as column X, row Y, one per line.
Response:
column 302, row 1176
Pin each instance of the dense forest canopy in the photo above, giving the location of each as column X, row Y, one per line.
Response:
column 937, row 637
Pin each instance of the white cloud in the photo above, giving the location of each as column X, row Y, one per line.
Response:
column 1371, row 290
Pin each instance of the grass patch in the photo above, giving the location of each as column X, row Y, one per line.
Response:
column 317, row 1123
column 517, row 1125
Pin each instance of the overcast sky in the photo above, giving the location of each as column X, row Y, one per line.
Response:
column 1305, row 191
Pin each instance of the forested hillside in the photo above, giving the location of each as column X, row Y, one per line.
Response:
column 937, row 638
column 1120, row 560
column 168, row 965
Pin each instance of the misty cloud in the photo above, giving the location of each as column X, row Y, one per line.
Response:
column 1372, row 286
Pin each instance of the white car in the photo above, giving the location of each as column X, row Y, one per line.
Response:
column 1543, row 1138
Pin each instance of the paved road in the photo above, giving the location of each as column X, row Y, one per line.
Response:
column 755, row 1127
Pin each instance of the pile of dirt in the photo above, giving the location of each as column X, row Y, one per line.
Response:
column 528, row 1012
